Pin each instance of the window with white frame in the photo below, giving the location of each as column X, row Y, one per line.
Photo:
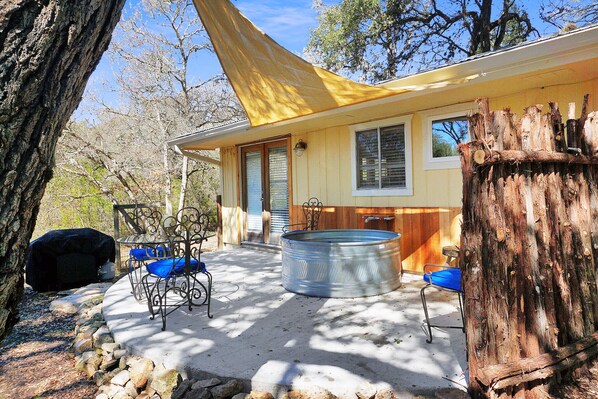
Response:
column 381, row 158
column 443, row 130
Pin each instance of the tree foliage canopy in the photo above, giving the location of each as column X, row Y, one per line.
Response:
column 381, row 39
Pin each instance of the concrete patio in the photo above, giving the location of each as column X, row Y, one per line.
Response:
column 274, row 340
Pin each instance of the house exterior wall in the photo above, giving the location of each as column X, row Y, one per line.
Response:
column 428, row 219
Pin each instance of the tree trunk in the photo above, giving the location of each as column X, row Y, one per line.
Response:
column 48, row 50
column 184, row 182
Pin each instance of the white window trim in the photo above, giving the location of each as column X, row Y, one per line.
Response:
column 453, row 111
column 381, row 192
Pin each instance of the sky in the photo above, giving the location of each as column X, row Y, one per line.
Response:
column 288, row 22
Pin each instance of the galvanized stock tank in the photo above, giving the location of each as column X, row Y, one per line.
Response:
column 341, row 263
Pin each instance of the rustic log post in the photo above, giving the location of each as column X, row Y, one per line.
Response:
column 558, row 127
column 529, row 245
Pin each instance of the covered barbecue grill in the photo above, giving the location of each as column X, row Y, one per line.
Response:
column 67, row 258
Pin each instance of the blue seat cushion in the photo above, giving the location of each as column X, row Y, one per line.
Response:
column 148, row 253
column 173, row 266
column 448, row 278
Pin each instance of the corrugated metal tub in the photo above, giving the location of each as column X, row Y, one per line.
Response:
column 341, row 263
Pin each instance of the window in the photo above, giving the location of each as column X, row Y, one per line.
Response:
column 381, row 154
column 443, row 131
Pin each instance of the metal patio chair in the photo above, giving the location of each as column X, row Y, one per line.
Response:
column 173, row 282
column 446, row 279
column 146, row 221
column 312, row 208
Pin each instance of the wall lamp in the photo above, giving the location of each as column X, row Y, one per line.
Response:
column 300, row 147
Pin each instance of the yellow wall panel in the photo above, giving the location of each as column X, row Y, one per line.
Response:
column 325, row 169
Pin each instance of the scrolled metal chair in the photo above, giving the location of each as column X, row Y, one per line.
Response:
column 145, row 220
column 312, row 208
column 173, row 282
column 447, row 279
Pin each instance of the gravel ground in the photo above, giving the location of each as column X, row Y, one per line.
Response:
column 35, row 361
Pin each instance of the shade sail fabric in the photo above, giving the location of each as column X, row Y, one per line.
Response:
column 272, row 83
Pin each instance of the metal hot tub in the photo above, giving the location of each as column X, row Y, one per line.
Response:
column 341, row 263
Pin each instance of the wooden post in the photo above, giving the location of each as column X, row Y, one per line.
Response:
column 116, row 237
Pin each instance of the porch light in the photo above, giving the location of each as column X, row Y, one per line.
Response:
column 300, row 147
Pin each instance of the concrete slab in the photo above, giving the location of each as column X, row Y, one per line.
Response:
column 273, row 339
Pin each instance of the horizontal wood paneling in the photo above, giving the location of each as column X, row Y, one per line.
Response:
column 424, row 231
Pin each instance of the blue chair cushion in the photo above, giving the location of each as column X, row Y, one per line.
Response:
column 447, row 278
column 164, row 267
column 148, row 253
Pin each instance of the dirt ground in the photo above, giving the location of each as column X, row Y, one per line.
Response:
column 35, row 361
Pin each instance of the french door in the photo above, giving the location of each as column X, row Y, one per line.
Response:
column 265, row 171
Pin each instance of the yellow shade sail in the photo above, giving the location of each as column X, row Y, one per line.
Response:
column 272, row 83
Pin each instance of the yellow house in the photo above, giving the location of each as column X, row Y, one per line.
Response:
column 386, row 162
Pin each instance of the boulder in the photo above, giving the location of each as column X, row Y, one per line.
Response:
column 110, row 347
column 228, row 390
column 212, row 382
column 165, row 382
column 366, row 391
column 121, row 395
column 119, row 353
column 99, row 377
column 92, row 365
column 102, row 396
column 72, row 303
column 385, row 394
column 199, row 393
column 260, row 395
column 81, row 359
column 241, row 395
column 131, row 389
column 182, row 389
column 83, row 345
column 140, row 370
column 121, row 378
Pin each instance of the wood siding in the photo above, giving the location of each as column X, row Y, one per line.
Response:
column 424, row 231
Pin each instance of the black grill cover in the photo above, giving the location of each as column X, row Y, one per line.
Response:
column 66, row 258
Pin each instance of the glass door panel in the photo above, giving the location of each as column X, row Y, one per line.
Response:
column 278, row 192
column 253, row 195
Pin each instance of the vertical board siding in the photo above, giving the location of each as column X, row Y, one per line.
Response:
column 230, row 211
column 424, row 231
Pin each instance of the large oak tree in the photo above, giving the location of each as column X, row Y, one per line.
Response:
column 48, row 50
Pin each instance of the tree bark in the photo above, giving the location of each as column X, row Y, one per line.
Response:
column 48, row 50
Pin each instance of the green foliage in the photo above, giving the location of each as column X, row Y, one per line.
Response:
column 380, row 39
column 442, row 148
column 73, row 202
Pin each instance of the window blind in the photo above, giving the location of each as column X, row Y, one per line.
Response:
column 253, row 167
column 279, row 188
column 381, row 158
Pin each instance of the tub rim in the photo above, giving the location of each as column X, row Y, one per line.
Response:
column 288, row 237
